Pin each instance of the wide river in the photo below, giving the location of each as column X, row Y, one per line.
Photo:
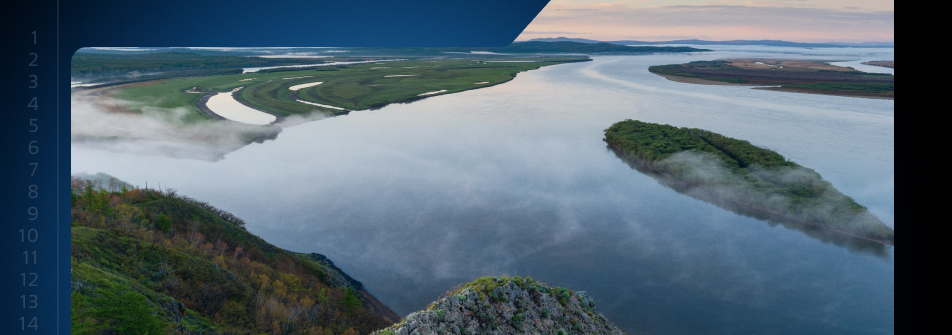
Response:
column 515, row 179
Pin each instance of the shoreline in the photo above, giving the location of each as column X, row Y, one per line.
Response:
column 699, row 81
column 796, row 90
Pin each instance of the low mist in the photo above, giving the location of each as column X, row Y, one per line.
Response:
column 706, row 178
column 106, row 123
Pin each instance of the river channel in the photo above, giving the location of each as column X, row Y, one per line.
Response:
column 514, row 179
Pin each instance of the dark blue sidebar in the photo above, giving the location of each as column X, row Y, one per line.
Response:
column 34, row 238
column 41, row 37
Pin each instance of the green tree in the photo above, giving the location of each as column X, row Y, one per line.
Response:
column 350, row 300
column 116, row 308
column 163, row 222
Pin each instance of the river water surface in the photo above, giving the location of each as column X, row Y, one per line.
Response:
column 515, row 179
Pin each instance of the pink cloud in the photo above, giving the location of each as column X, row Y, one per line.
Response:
column 616, row 22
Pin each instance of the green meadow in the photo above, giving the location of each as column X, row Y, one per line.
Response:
column 351, row 87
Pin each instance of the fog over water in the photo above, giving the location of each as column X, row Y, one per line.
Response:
column 515, row 179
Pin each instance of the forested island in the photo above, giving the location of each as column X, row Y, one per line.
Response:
column 801, row 76
column 725, row 169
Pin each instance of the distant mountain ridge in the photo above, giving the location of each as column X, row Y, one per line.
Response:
column 773, row 43
column 90, row 55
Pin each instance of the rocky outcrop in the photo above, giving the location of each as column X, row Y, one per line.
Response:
column 503, row 305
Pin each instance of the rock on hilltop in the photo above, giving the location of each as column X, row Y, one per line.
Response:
column 504, row 305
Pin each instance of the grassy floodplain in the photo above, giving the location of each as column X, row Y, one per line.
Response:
column 801, row 76
column 351, row 87
column 725, row 169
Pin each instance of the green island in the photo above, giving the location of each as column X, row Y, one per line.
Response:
column 736, row 172
column 146, row 261
column 801, row 76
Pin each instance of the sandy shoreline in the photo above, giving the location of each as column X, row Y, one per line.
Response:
column 794, row 90
column 688, row 80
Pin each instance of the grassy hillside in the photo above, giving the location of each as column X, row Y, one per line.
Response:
column 740, row 172
column 151, row 262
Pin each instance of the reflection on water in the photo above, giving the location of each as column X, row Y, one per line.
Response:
column 826, row 236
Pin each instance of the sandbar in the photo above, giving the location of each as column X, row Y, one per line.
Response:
column 297, row 87
column 431, row 93
column 319, row 105
column 225, row 105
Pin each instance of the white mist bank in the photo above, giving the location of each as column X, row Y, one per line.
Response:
column 106, row 124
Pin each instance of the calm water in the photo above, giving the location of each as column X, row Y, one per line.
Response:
column 515, row 179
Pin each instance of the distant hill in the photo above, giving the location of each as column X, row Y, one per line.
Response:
column 773, row 43
column 559, row 47
column 93, row 58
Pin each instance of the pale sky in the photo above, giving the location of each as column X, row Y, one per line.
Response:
column 658, row 20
